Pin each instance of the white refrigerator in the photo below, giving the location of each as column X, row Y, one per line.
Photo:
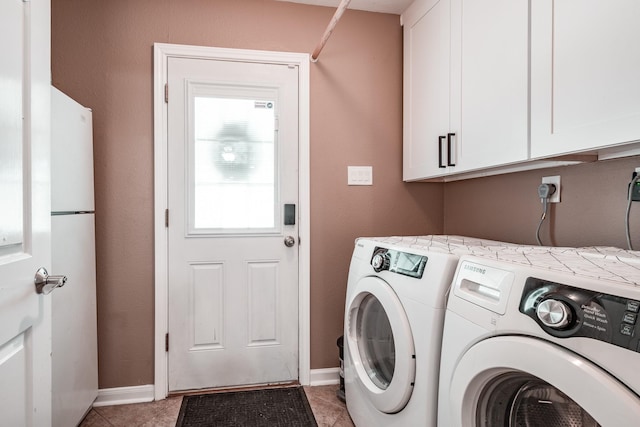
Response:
column 74, row 317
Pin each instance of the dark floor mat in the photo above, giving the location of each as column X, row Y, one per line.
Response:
column 270, row 407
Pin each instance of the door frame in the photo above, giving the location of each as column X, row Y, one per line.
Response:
column 162, row 53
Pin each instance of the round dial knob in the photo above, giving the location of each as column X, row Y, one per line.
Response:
column 553, row 313
column 380, row 262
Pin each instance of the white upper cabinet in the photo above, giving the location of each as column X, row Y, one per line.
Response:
column 585, row 75
column 490, row 99
column 465, row 86
column 426, row 104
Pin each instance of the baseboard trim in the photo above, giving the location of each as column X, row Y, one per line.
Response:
column 145, row 393
column 325, row 376
column 124, row 395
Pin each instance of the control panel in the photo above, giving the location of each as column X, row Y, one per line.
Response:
column 565, row 311
column 399, row 262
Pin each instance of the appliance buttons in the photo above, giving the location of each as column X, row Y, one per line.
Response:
column 626, row 330
column 380, row 262
column 553, row 313
column 630, row 318
column 633, row 306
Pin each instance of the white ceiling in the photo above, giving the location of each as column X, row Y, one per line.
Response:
column 384, row 6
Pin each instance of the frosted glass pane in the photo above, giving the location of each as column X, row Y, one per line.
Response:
column 11, row 128
column 234, row 163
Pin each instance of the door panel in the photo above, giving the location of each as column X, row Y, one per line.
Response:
column 262, row 303
column 25, row 329
column 233, row 163
column 207, row 295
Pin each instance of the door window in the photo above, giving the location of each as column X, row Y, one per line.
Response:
column 518, row 399
column 375, row 342
column 233, row 160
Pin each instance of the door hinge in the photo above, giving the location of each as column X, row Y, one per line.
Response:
column 166, row 342
column 166, row 217
column 166, row 92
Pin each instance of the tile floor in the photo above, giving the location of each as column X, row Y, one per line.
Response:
column 327, row 408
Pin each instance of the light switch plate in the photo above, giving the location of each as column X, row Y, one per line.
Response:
column 359, row 175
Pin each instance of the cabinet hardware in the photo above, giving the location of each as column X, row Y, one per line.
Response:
column 440, row 138
column 449, row 162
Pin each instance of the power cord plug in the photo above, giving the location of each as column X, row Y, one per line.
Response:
column 545, row 191
column 635, row 178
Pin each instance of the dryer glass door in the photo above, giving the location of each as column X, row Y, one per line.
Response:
column 375, row 342
column 380, row 345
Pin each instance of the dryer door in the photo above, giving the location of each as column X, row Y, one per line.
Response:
column 524, row 381
column 381, row 345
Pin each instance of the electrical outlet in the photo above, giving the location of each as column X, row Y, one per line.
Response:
column 635, row 191
column 555, row 180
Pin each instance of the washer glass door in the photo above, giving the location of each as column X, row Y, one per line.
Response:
column 509, row 381
column 519, row 399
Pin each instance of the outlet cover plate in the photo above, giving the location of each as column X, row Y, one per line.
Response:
column 555, row 197
column 635, row 193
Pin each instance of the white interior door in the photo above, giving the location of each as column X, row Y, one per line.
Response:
column 232, row 192
column 25, row 328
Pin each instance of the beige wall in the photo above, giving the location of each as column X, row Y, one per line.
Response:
column 507, row 207
column 102, row 56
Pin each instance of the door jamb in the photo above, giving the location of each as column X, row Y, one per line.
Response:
column 162, row 52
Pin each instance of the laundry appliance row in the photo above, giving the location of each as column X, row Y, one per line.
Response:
column 456, row 331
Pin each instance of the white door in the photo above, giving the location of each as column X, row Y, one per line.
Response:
column 25, row 328
column 232, row 197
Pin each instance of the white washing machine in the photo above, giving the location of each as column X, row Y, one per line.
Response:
column 542, row 337
column 394, row 314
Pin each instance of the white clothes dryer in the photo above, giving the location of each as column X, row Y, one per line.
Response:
column 542, row 337
column 394, row 315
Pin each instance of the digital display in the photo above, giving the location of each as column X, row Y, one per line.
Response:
column 404, row 263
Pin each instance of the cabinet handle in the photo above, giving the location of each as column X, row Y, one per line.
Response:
column 440, row 139
column 449, row 135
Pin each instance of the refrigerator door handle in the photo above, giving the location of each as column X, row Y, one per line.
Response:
column 45, row 283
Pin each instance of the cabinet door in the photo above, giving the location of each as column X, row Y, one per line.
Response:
column 585, row 63
column 426, row 87
column 489, row 96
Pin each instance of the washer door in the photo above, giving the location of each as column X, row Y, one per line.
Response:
column 524, row 381
column 381, row 345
